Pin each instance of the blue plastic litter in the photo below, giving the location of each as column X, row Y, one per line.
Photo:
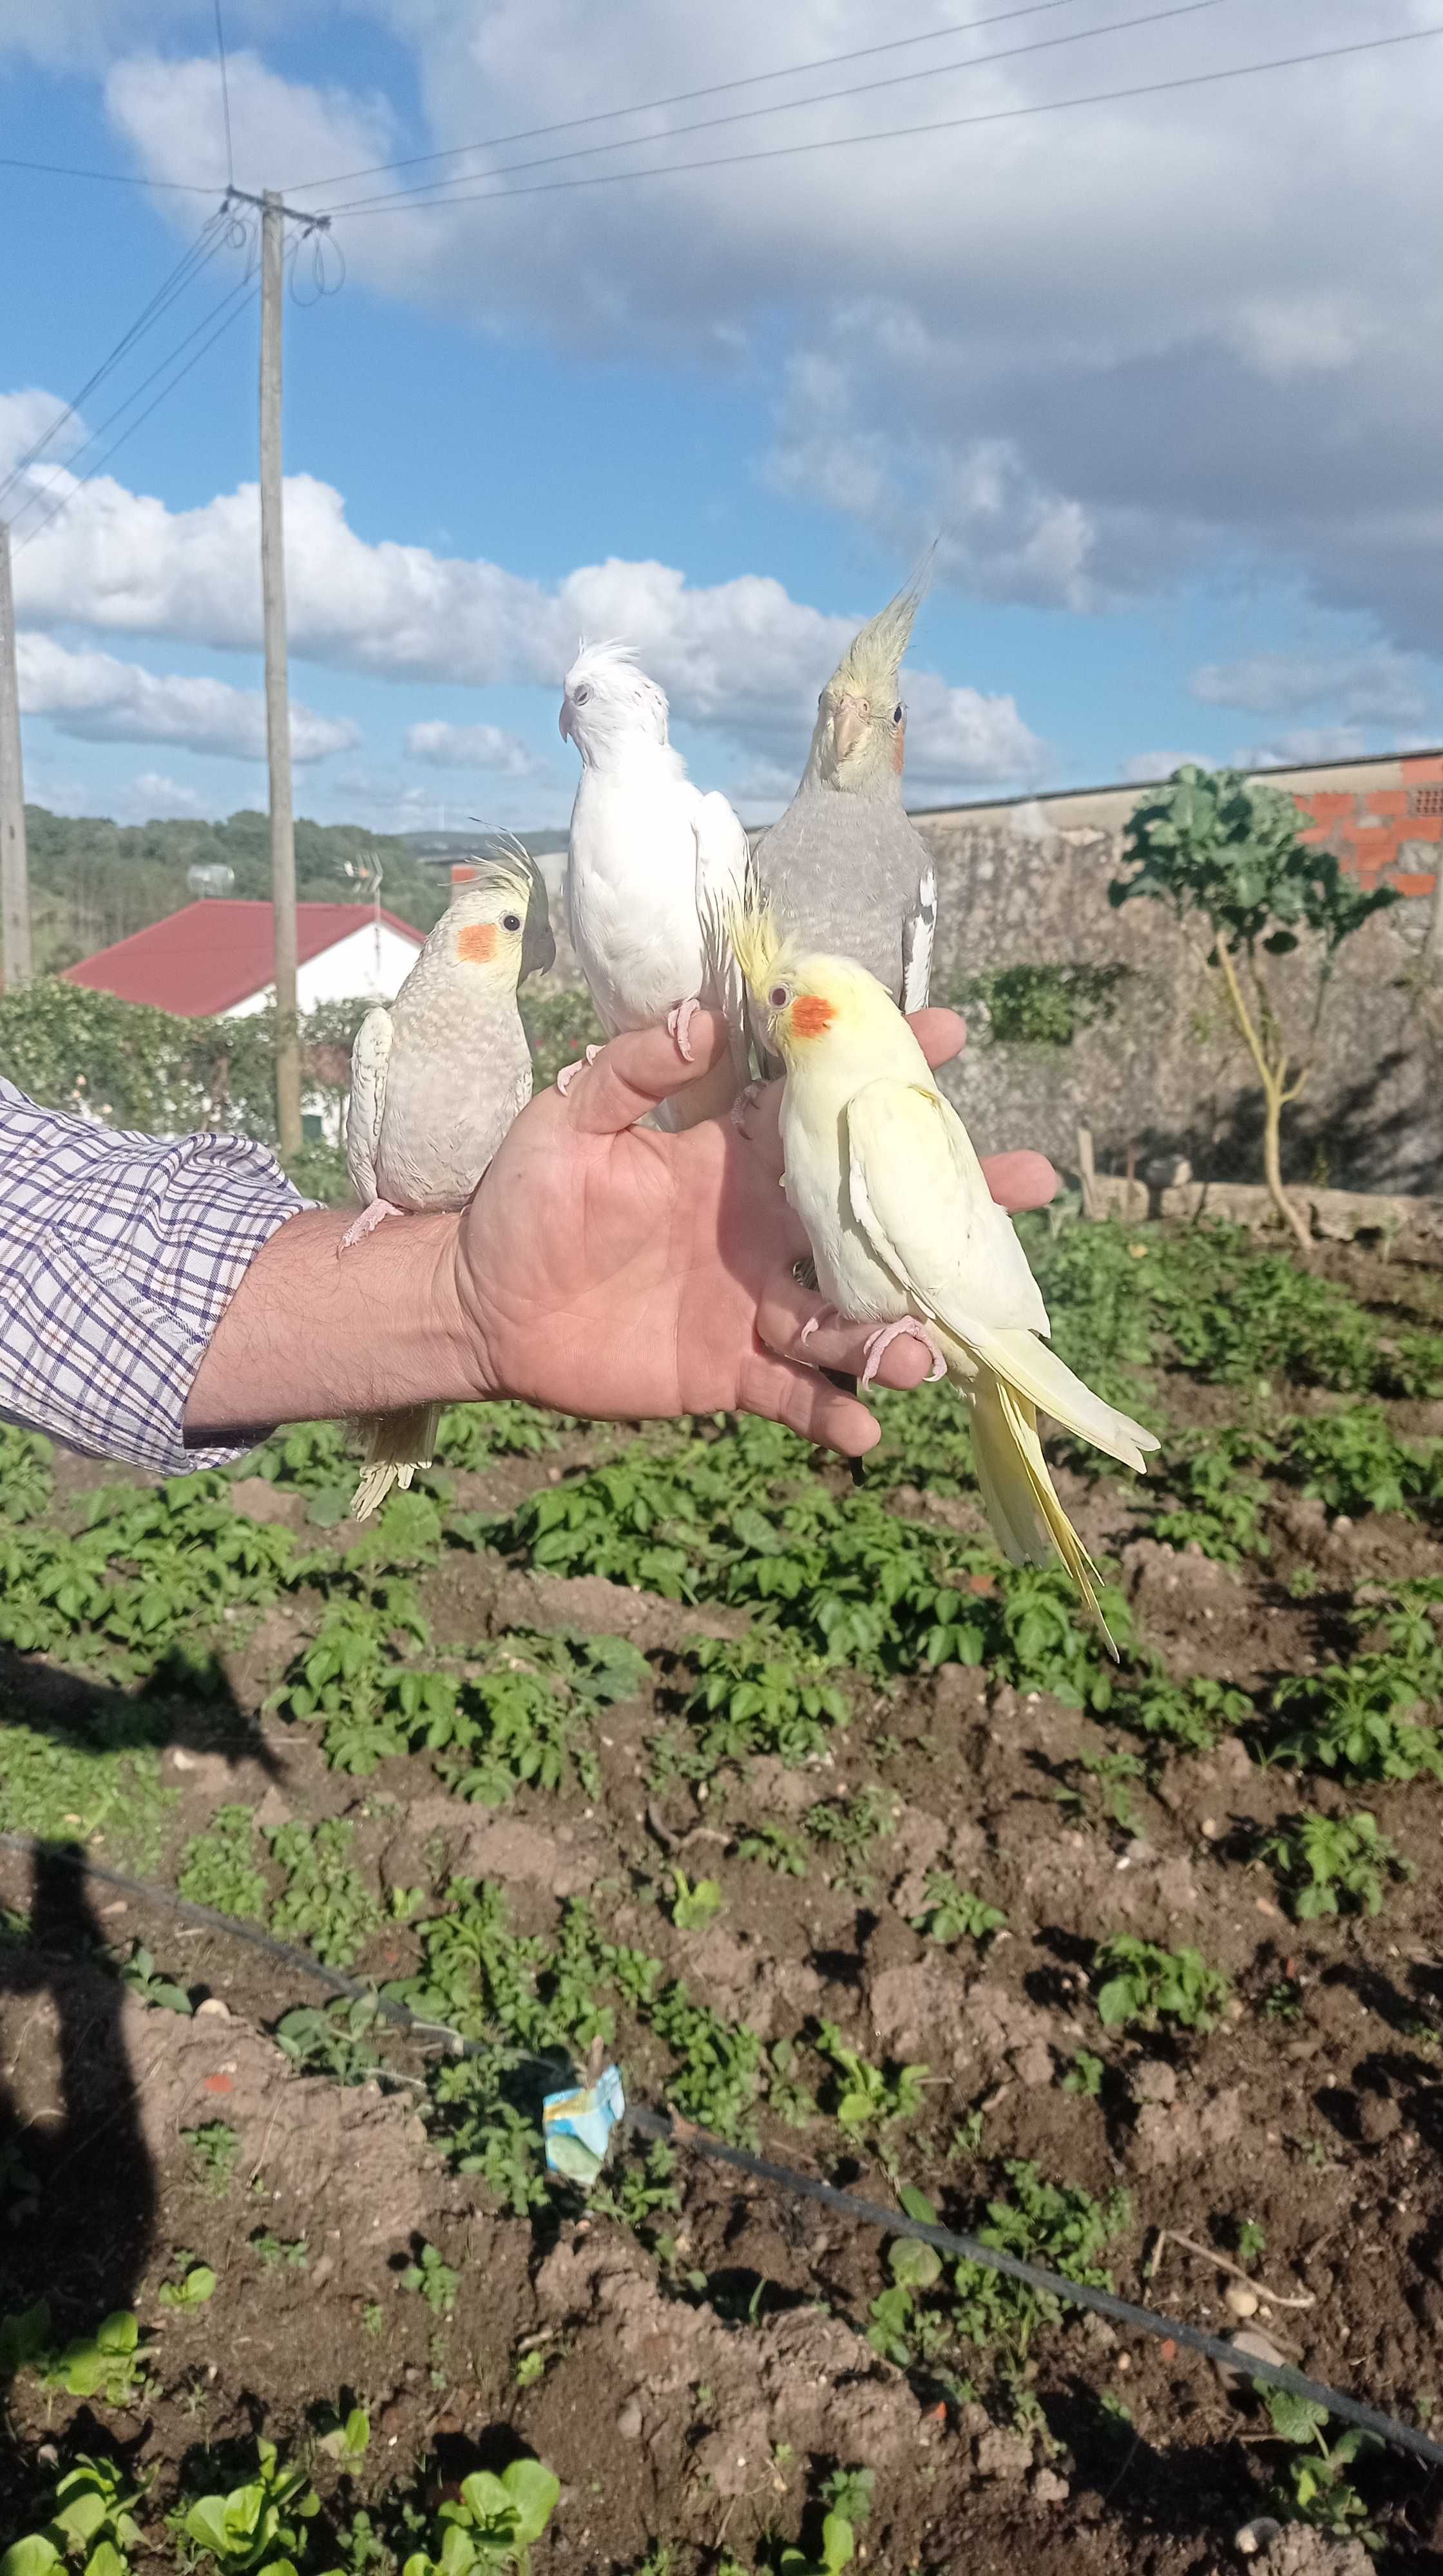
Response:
column 577, row 2126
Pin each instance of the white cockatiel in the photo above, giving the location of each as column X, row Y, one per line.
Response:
column 906, row 1235
column 437, row 1077
column 654, row 872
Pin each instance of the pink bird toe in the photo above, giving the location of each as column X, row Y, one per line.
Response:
column 909, row 1329
column 678, row 1025
column 366, row 1223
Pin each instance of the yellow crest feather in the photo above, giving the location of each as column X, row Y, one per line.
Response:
column 756, row 940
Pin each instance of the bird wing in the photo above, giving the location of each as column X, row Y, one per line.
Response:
column 919, row 931
column 920, row 1199
column 722, row 865
column 370, row 1056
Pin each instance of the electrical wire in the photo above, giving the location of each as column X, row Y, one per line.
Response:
column 789, row 106
column 674, row 2131
column 897, row 133
column 112, row 178
column 188, row 266
column 225, row 97
column 677, row 98
column 238, row 302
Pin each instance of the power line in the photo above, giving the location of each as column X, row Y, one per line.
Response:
column 113, row 178
column 222, row 326
column 679, row 97
column 896, row 133
column 789, row 106
column 165, row 294
column 133, row 396
column 225, row 97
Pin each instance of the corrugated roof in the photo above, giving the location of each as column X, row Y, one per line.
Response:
column 209, row 956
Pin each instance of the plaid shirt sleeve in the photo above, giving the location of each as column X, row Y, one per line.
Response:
column 118, row 1256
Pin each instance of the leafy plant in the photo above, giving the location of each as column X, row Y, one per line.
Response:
column 432, row 2278
column 1215, row 845
column 1314, row 2486
column 867, row 2097
column 761, row 1698
column 1357, row 1720
column 1143, row 1983
column 218, row 1868
column 776, row 1848
column 1324, row 1864
column 332, row 2040
column 142, row 1977
column 1085, row 2075
column 259, row 2526
column 953, row 1913
column 1220, row 1509
column 345, row 2437
column 694, row 1904
column 1354, row 1462
column 494, row 2523
column 196, row 2285
column 1058, row 2226
column 91, row 2525
column 326, row 1903
column 109, row 2364
column 214, row 2147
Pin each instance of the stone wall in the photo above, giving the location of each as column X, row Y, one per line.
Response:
column 1164, row 1074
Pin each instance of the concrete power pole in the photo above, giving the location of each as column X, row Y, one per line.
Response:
column 14, row 874
column 278, row 713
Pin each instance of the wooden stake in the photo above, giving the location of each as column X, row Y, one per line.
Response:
column 278, row 714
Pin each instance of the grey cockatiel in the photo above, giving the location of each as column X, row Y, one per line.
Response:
column 844, row 870
column 437, row 1076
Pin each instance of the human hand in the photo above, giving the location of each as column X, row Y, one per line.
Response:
column 608, row 1269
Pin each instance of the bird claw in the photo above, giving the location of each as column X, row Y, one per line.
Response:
column 366, row 1223
column 745, row 1106
column 568, row 1072
column 909, row 1329
column 678, row 1025
column 815, row 1323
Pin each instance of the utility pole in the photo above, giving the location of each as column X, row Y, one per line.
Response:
column 14, row 873
column 278, row 711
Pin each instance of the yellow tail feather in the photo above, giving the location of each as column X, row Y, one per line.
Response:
column 1019, row 1495
column 397, row 1444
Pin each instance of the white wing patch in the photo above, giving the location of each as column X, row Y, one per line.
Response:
column 370, row 1056
column 918, row 938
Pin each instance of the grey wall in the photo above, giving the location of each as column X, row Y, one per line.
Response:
column 1165, row 1072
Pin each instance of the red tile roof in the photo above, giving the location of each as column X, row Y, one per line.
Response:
column 209, row 956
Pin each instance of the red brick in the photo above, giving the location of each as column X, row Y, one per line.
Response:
column 1422, row 768
column 1386, row 802
column 1413, row 884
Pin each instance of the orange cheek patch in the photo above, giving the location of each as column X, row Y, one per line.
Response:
column 476, row 944
column 811, row 1016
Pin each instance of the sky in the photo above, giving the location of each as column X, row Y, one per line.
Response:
column 1150, row 353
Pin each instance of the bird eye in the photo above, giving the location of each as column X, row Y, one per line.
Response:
column 779, row 996
column 580, row 696
column 897, row 715
column 511, row 921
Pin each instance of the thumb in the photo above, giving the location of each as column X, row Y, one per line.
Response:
column 636, row 1072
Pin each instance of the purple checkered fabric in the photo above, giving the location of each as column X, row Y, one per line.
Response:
column 118, row 1256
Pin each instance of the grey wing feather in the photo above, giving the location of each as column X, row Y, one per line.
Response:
column 370, row 1056
column 919, row 932
column 722, row 870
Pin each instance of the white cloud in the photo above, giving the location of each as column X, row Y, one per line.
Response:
column 1146, row 766
column 1304, row 745
column 1372, row 686
column 473, row 746
column 152, row 797
column 99, row 699
column 172, row 116
column 740, row 657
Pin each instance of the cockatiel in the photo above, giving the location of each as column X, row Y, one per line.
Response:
column 437, row 1076
column 906, row 1235
column 844, row 868
column 654, row 872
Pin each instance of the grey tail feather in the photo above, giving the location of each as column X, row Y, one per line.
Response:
column 396, row 1445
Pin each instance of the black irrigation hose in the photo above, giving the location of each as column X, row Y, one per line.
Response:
column 862, row 2213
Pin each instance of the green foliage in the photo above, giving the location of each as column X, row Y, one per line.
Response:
column 1189, row 1716
column 1355, row 1720
column 218, row 1868
column 1325, row 1864
column 1355, row 1463
column 1085, row 2076
column 759, row 1697
column 109, row 2364
column 91, row 2525
column 1314, row 2486
column 162, row 1993
column 1216, row 843
column 953, row 1913
column 27, row 1474
column 694, row 1904
column 1058, row 2226
column 560, row 1025
column 1039, row 1005
column 433, row 2280
column 331, row 2040
column 1219, row 1509
column 259, row 2526
column 1145, row 1984
column 867, row 2097
column 196, row 2285
column 214, row 2147
column 776, row 1848
column 327, row 1904
column 493, row 2524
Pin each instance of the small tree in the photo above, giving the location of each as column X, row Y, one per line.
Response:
column 1212, row 844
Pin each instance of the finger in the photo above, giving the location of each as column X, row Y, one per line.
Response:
column 1020, row 1181
column 631, row 1075
column 786, row 1308
column 940, row 1034
column 808, row 1403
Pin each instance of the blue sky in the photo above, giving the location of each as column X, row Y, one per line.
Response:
column 1163, row 373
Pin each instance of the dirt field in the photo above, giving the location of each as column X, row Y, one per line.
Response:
column 846, row 1840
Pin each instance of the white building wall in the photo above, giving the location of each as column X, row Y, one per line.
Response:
column 372, row 959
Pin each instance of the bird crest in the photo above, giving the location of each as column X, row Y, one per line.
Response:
column 872, row 660
column 756, row 937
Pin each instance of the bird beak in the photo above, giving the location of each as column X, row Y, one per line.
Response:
column 848, row 726
column 563, row 721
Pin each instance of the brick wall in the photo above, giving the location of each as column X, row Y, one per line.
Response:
column 1385, row 835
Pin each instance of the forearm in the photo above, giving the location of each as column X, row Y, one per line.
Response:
column 312, row 1332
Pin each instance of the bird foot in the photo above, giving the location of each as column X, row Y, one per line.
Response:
column 678, row 1025
column 569, row 1072
column 366, row 1223
column 745, row 1106
column 829, row 1316
column 909, row 1329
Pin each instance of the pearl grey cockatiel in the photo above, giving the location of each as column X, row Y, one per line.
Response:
column 655, row 871
column 844, row 870
column 437, row 1076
